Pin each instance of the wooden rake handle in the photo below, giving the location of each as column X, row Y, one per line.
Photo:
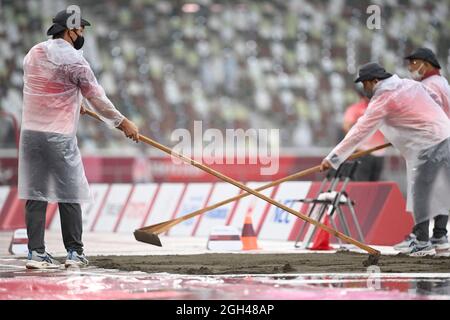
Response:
column 165, row 226
column 253, row 192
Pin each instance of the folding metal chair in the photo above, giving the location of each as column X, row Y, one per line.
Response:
column 331, row 179
column 331, row 203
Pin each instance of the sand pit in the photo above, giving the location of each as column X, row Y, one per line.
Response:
column 229, row 263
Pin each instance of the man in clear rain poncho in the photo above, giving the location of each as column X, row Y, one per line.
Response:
column 424, row 67
column 416, row 125
column 56, row 78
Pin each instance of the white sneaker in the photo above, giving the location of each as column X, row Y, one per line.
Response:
column 421, row 249
column 38, row 260
column 441, row 246
column 404, row 246
column 76, row 260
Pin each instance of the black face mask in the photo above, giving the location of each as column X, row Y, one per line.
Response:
column 369, row 94
column 78, row 42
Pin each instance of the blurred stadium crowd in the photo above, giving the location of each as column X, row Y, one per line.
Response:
column 286, row 64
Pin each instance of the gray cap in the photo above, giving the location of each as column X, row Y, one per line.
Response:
column 372, row 70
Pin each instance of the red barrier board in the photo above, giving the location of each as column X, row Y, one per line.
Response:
column 379, row 206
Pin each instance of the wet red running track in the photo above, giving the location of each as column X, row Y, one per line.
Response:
column 93, row 283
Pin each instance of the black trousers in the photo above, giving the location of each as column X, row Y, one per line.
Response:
column 421, row 230
column 71, row 225
column 369, row 169
column 434, row 161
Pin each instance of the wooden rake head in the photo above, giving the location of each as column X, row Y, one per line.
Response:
column 147, row 237
column 150, row 234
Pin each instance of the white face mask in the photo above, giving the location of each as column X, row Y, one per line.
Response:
column 416, row 74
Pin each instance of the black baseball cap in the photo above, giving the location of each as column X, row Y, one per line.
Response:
column 372, row 70
column 426, row 55
column 60, row 22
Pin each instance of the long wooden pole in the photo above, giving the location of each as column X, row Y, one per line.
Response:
column 221, row 176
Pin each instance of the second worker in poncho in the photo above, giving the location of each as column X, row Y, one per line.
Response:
column 416, row 125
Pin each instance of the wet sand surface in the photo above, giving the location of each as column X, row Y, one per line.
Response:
column 232, row 263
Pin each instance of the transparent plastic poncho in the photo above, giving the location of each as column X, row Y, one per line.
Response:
column 56, row 78
column 439, row 85
column 409, row 117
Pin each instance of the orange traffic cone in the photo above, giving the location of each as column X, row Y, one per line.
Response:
column 322, row 238
column 248, row 233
